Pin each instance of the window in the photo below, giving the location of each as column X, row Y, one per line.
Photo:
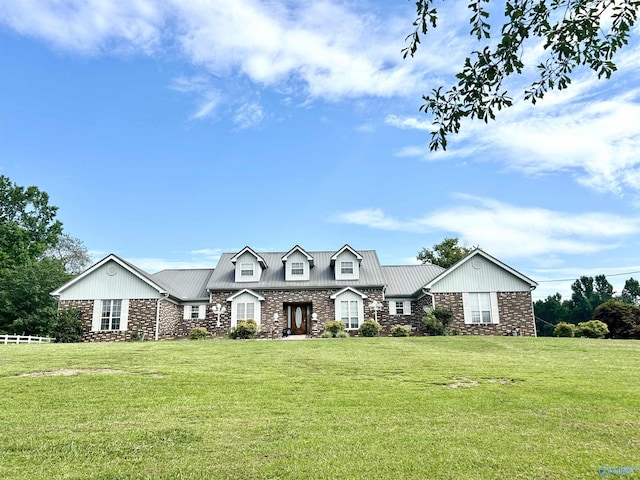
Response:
column 111, row 314
column 245, row 311
column 480, row 307
column 349, row 313
column 399, row 308
column 195, row 311
column 246, row 269
column 297, row 268
column 346, row 268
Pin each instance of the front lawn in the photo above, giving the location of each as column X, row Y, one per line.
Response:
column 396, row 408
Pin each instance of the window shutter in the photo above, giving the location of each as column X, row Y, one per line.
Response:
column 124, row 315
column 392, row 307
column 97, row 315
column 495, row 311
column 202, row 311
column 407, row 307
column 466, row 304
column 187, row 312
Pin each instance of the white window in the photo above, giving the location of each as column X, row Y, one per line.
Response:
column 480, row 308
column 346, row 268
column 349, row 313
column 246, row 269
column 400, row 307
column 111, row 314
column 297, row 268
column 245, row 311
column 195, row 311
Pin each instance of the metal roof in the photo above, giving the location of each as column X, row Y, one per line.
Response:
column 185, row 284
column 408, row 280
column 320, row 276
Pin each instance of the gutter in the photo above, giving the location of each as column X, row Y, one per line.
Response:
column 433, row 298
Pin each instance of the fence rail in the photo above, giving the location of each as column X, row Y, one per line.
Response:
column 5, row 339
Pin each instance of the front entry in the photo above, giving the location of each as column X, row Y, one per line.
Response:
column 297, row 318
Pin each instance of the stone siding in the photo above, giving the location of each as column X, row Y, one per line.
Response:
column 515, row 310
column 170, row 324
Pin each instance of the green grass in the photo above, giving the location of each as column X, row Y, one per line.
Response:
column 353, row 408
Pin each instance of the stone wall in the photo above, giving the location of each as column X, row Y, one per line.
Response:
column 141, row 320
column 515, row 310
column 170, row 324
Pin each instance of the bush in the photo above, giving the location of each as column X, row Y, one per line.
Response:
column 198, row 333
column 592, row 329
column 67, row 327
column 334, row 327
column 343, row 334
column 244, row 330
column 326, row 334
column 370, row 328
column 438, row 320
column 564, row 329
column 622, row 319
column 401, row 331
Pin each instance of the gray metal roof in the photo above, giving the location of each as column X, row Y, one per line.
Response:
column 185, row 284
column 320, row 276
column 408, row 280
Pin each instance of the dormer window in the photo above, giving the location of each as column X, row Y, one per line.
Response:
column 246, row 269
column 297, row 268
column 346, row 268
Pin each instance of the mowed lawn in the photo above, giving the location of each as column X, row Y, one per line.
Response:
column 405, row 408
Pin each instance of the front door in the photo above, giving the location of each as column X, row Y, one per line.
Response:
column 298, row 319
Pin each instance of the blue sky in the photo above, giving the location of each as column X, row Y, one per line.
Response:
column 170, row 131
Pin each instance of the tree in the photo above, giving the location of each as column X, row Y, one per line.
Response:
column 587, row 295
column 622, row 319
column 71, row 253
column 27, row 223
column 551, row 312
column 444, row 254
column 631, row 292
column 574, row 33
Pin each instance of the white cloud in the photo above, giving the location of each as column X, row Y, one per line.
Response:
column 249, row 115
column 153, row 265
column 408, row 123
column 509, row 230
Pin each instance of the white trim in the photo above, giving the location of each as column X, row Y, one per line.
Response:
column 298, row 248
column 246, row 290
column 96, row 320
column 124, row 315
column 108, row 258
column 202, row 312
column 337, row 294
column 346, row 247
column 493, row 307
column 260, row 260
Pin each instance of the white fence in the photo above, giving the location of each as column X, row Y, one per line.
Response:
column 24, row 339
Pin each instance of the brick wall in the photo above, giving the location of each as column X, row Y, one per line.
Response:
column 515, row 310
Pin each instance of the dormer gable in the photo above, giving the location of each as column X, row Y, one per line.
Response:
column 297, row 264
column 346, row 264
column 248, row 265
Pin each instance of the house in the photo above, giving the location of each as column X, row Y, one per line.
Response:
column 299, row 290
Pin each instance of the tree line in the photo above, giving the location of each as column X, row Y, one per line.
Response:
column 36, row 257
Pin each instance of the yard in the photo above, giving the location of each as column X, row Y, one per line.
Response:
column 396, row 408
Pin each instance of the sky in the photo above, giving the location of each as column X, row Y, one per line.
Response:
column 170, row 131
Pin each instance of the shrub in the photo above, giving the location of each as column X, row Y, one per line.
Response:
column 401, row 331
column 137, row 336
column 438, row 320
column 622, row 319
column 244, row 330
column 343, row 334
column 334, row 327
column 564, row 329
column 592, row 329
column 370, row 328
column 326, row 334
column 198, row 333
column 67, row 327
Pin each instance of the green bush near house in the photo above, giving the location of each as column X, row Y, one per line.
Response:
column 334, row 327
column 564, row 329
column 592, row 329
column 401, row 331
column 245, row 330
column 370, row 328
column 437, row 321
column 67, row 327
column 343, row 334
column 198, row 333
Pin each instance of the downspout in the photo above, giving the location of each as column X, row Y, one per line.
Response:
column 433, row 298
column 533, row 313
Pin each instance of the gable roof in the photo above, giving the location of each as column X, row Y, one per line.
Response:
column 408, row 280
column 261, row 260
column 321, row 276
column 302, row 251
column 141, row 274
column 346, row 247
column 348, row 289
column 185, row 284
column 246, row 290
column 482, row 253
